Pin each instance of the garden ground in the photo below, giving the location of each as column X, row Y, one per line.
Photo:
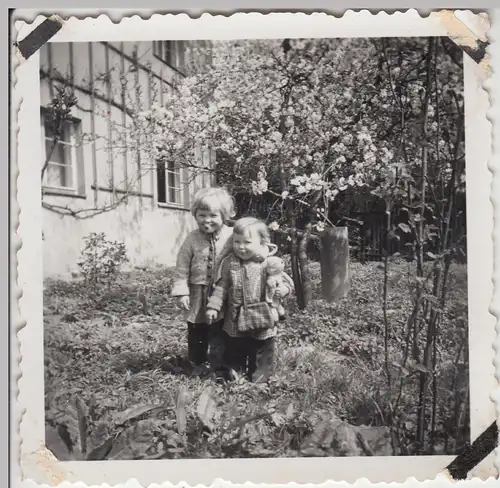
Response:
column 118, row 386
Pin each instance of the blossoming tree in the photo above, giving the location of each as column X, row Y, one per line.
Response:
column 285, row 120
column 303, row 121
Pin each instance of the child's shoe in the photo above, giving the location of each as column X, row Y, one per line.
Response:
column 201, row 369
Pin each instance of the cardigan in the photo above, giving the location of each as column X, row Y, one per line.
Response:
column 228, row 292
column 196, row 259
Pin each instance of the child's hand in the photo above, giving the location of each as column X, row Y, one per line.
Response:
column 281, row 291
column 184, row 302
column 211, row 315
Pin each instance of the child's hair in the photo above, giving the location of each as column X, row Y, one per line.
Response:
column 214, row 198
column 246, row 223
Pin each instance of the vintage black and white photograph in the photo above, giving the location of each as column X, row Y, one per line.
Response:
column 257, row 247
column 321, row 178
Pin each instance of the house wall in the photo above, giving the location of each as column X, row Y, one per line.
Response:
column 152, row 236
column 151, row 230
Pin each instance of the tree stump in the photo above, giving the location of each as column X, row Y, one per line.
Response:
column 334, row 258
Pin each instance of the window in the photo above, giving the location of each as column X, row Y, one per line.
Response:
column 173, row 186
column 61, row 154
column 171, row 53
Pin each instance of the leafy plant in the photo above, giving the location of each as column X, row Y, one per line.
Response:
column 86, row 435
column 101, row 259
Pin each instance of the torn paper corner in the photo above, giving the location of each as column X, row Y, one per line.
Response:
column 465, row 28
column 44, row 462
column 469, row 32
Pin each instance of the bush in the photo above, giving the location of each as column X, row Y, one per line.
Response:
column 101, row 259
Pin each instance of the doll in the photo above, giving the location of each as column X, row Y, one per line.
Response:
column 276, row 276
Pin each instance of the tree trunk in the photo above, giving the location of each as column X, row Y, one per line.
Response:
column 335, row 278
column 422, row 400
column 288, row 204
column 384, row 302
column 297, row 280
column 305, row 276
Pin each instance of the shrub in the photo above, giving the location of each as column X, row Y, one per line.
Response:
column 100, row 260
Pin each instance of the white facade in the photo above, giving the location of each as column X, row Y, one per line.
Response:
column 92, row 169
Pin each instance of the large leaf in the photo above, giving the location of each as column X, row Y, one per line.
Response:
column 133, row 413
column 180, row 409
column 418, row 367
column 69, row 427
column 99, row 433
column 83, row 421
column 206, row 407
column 101, row 452
column 431, row 298
column 136, row 441
column 278, row 419
column 334, row 437
column 56, row 444
column 422, row 368
column 404, row 370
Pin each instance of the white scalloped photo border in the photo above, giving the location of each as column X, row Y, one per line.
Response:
column 38, row 465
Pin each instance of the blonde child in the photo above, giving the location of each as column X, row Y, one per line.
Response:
column 249, row 327
column 194, row 275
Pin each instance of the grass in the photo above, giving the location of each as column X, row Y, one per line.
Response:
column 106, row 361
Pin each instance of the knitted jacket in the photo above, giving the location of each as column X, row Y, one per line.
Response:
column 228, row 292
column 196, row 259
column 267, row 250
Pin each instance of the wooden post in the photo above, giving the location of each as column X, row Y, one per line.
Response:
column 305, row 277
column 297, row 279
column 335, row 276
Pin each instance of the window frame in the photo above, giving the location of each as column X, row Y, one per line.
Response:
column 76, row 159
column 179, row 172
column 175, row 171
column 173, row 54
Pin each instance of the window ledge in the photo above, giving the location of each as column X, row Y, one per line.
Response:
column 60, row 192
column 173, row 206
column 119, row 191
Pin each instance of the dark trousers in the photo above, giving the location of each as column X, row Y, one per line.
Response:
column 250, row 357
column 206, row 343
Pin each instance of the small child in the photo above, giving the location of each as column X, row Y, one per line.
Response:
column 266, row 250
column 193, row 280
column 275, row 276
column 249, row 326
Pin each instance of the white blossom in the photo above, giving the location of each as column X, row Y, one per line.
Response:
column 259, row 187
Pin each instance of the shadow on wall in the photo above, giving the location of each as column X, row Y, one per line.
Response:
column 152, row 236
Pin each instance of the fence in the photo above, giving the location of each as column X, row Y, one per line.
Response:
column 367, row 239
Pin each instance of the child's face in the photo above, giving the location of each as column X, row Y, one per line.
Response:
column 209, row 221
column 247, row 245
